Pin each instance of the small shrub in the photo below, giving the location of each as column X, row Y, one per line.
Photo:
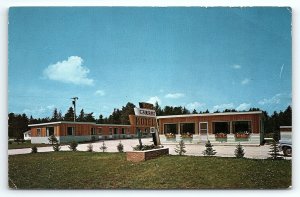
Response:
column 73, row 146
column 103, row 147
column 274, row 151
column 56, row 147
column 180, row 148
column 239, row 151
column 145, row 147
column 93, row 139
column 209, row 151
column 120, row 147
column 52, row 139
column 90, row 148
column 34, row 149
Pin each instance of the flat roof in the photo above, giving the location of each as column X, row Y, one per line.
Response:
column 70, row 122
column 210, row 114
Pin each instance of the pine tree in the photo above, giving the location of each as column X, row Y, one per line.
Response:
column 90, row 148
column 56, row 147
column 69, row 116
column 34, row 149
column 209, row 151
column 103, row 147
column 54, row 115
column 239, row 151
column 120, row 147
column 73, row 146
column 274, row 151
column 180, row 148
column 81, row 116
column 52, row 139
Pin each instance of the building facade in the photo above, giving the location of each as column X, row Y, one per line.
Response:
column 229, row 127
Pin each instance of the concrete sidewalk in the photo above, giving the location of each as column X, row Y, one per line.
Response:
column 255, row 152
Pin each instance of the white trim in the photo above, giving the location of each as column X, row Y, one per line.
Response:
column 61, row 122
column 285, row 127
column 119, row 125
column 210, row 114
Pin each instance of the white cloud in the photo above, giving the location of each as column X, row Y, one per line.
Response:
column 245, row 81
column 50, row 107
column 154, row 99
column 69, row 71
column 274, row 100
column 174, row 96
column 236, row 66
column 243, row 106
column 194, row 105
column 223, row 106
column 100, row 92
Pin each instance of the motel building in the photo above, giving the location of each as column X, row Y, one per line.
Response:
column 219, row 128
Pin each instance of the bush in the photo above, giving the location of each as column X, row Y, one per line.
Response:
column 90, row 148
column 34, row 149
column 120, row 147
column 180, row 148
column 145, row 147
column 52, row 139
column 274, row 151
column 103, row 147
column 93, row 139
column 73, row 146
column 239, row 151
column 209, row 151
column 56, row 147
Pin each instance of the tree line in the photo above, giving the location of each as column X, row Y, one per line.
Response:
column 18, row 123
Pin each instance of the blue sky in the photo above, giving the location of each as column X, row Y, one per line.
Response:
column 202, row 58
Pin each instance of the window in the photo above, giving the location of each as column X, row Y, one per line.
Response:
column 115, row 131
column 123, row 131
column 93, row 131
column 38, row 132
column 110, row 131
column 187, row 128
column 100, row 131
column 170, row 128
column 70, row 131
column 241, row 126
column 49, row 131
column 221, row 127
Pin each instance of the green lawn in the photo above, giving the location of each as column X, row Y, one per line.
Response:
column 84, row 170
column 26, row 144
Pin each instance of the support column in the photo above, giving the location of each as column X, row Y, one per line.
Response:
column 230, row 127
column 178, row 125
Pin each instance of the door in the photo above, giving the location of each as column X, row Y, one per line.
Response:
column 203, row 130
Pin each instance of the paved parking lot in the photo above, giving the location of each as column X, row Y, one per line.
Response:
column 257, row 152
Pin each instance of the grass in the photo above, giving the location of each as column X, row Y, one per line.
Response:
column 85, row 170
column 26, row 144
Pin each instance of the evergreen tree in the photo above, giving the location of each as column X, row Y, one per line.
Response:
column 81, row 117
column 89, row 117
column 69, row 116
column 120, row 147
column 194, row 111
column 90, row 148
column 239, row 151
column 103, row 147
column 56, row 147
column 209, row 151
column 59, row 116
column 206, row 111
column 101, row 120
column 73, row 146
column 274, row 151
column 34, row 149
column 180, row 148
column 158, row 109
column 54, row 115
column 52, row 139
column 125, row 112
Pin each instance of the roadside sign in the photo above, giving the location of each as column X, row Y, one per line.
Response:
column 144, row 112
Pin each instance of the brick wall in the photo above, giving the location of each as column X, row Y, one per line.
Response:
column 138, row 156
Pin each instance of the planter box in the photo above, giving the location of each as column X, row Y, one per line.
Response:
column 138, row 156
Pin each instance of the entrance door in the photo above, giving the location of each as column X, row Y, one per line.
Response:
column 203, row 130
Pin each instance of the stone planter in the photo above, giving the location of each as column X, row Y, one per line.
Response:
column 138, row 156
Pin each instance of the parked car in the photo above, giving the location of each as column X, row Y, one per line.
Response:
column 286, row 147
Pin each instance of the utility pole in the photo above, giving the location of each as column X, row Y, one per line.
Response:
column 74, row 103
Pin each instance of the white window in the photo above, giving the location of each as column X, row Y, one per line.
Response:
column 49, row 131
column 100, row 131
column 93, row 131
column 38, row 132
